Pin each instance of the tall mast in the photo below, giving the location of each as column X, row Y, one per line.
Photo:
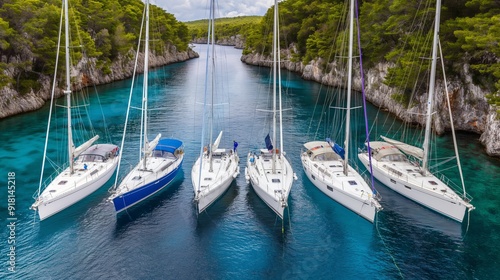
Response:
column 275, row 30
column 279, row 83
column 211, row 126
column 432, row 81
column 207, row 69
column 349, row 88
column 145, row 86
column 71, row 146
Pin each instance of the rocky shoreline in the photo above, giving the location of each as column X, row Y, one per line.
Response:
column 470, row 109
column 12, row 103
column 237, row 41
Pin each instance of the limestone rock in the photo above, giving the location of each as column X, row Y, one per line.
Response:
column 470, row 109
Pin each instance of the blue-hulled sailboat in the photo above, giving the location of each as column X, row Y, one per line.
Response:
column 160, row 160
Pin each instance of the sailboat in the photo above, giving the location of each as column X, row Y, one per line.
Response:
column 160, row 159
column 391, row 164
column 326, row 163
column 268, row 170
column 89, row 167
column 215, row 168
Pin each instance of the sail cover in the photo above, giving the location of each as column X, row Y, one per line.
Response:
column 80, row 149
column 405, row 148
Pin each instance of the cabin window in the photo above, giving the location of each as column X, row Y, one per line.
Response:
column 312, row 176
column 208, row 179
column 62, row 183
column 329, row 188
column 393, row 181
column 433, row 183
column 136, row 178
column 276, row 180
column 407, row 187
column 158, row 153
column 352, row 183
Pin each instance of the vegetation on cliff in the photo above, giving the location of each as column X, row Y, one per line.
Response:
column 224, row 27
column 395, row 31
column 106, row 28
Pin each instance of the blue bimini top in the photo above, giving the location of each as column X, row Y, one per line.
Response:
column 168, row 145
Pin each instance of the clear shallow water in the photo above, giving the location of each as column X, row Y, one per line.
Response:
column 238, row 237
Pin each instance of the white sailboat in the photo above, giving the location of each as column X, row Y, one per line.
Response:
column 160, row 159
column 215, row 168
column 268, row 170
column 90, row 166
column 391, row 165
column 326, row 164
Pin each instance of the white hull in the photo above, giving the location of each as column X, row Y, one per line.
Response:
column 82, row 183
column 405, row 179
column 351, row 191
column 273, row 189
column 213, row 183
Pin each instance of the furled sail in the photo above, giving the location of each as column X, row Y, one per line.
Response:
column 405, row 148
column 83, row 147
column 152, row 144
column 217, row 142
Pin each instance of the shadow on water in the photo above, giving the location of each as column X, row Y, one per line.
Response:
column 404, row 211
column 74, row 216
column 219, row 208
column 268, row 220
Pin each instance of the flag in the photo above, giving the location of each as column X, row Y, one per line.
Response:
column 336, row 148
column 269, row 143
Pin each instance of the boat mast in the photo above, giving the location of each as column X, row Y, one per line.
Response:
column 432, row 81
column 275, row 30
column 207, row 69
column 212, row 39
column 71, row 146
column 349, row 88
column 145, row 87
column 279, row 84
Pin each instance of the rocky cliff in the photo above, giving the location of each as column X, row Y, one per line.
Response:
column 237, row 41
column 470, row 109
column 11, row 102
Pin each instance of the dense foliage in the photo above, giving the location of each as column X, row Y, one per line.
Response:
column 395, row 31
column 106, row 28
column 224, row 27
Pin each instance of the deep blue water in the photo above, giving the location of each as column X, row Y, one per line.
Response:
column 238, row 237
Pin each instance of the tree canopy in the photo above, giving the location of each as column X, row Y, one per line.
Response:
column 106, row 28
column 224, row 27
column 395, row 31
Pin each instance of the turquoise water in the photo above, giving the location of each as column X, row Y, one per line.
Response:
column 239, row 236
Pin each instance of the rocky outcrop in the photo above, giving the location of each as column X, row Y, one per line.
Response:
column 236, row 40
column 490, row 138
column 11, row 102
column 470, row 109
